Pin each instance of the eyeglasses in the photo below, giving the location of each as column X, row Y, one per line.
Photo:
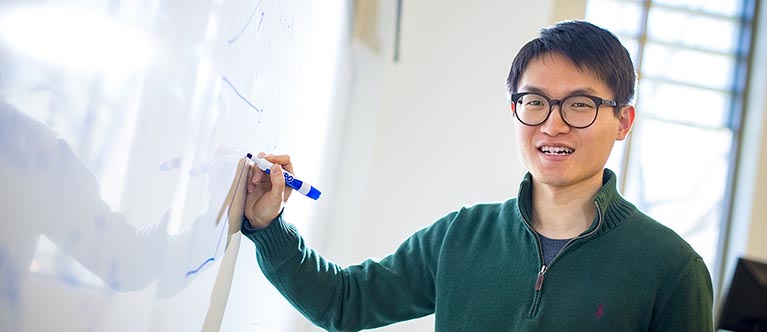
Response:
column 578, row 111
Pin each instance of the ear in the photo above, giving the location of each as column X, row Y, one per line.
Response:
column 625, row 122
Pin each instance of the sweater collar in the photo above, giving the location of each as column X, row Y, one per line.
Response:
column 613, row 207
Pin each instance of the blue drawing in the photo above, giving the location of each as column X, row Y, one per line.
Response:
column 240, row 95
column 247, row 23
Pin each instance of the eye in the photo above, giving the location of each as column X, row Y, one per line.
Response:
column 581, row 105
column 533, row 102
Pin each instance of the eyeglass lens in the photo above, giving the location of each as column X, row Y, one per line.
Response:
column 578, row 111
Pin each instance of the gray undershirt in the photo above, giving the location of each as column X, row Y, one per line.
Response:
column 551, row 248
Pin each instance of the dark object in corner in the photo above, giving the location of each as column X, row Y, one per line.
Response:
column 745, row 307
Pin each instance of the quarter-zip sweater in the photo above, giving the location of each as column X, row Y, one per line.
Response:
column 481, row 269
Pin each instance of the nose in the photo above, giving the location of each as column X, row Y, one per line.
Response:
column 555, row 124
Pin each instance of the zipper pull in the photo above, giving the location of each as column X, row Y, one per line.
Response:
column 539, row 280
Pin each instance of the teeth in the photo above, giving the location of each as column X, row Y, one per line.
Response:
column 555, row 150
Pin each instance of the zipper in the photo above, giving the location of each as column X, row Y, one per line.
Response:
column 539, row 279
column 544, row 268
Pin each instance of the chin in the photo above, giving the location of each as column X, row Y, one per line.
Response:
column 565, row 179
column 551, row 177
column 555, row 181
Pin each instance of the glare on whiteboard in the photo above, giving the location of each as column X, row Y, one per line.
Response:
column 76, row 39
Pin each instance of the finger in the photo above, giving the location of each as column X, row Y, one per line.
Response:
column 287, row 194
column 283, row 160
column 278, row 183
column 251, row 176
column 256, row 177
column 288, row 167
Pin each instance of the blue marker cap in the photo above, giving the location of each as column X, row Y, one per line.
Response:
column 290, row 180
column 313, row 193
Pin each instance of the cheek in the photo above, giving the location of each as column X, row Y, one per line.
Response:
column 523, row 136
column 602, row 144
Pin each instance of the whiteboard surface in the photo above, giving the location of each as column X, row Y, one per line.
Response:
column 121, row 125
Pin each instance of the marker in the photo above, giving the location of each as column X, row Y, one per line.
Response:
column 290, row 180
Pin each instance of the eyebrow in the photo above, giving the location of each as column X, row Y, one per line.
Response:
column 582, row 91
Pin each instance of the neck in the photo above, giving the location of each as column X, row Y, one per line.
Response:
column 564, row 212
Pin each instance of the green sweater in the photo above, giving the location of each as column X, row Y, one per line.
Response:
column 479, row 269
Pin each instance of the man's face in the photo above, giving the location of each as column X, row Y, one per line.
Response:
column 555, row 153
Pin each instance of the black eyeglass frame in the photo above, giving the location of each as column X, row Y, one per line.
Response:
column 552, row 102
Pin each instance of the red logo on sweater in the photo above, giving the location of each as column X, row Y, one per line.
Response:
column 600, row 311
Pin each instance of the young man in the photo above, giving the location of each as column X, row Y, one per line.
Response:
column 567, row 254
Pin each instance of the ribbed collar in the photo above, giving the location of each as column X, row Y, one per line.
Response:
column 613, row 207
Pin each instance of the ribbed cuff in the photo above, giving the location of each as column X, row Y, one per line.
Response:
column 272, row 239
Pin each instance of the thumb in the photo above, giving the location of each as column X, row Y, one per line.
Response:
column 278, row 183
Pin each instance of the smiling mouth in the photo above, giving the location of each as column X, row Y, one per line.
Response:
column 556, row 150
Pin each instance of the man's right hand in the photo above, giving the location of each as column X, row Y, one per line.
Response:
column 267, row 193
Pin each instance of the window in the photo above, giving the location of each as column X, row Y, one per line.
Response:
column 690, row 57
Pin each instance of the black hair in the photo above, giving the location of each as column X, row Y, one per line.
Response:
column 590, row 48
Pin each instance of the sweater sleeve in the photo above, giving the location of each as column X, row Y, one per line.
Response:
column 371, row 294
column 687, row 303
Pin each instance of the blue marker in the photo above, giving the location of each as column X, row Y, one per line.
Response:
column 290, row 180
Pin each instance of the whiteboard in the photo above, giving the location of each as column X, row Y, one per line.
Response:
column 121, row 126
